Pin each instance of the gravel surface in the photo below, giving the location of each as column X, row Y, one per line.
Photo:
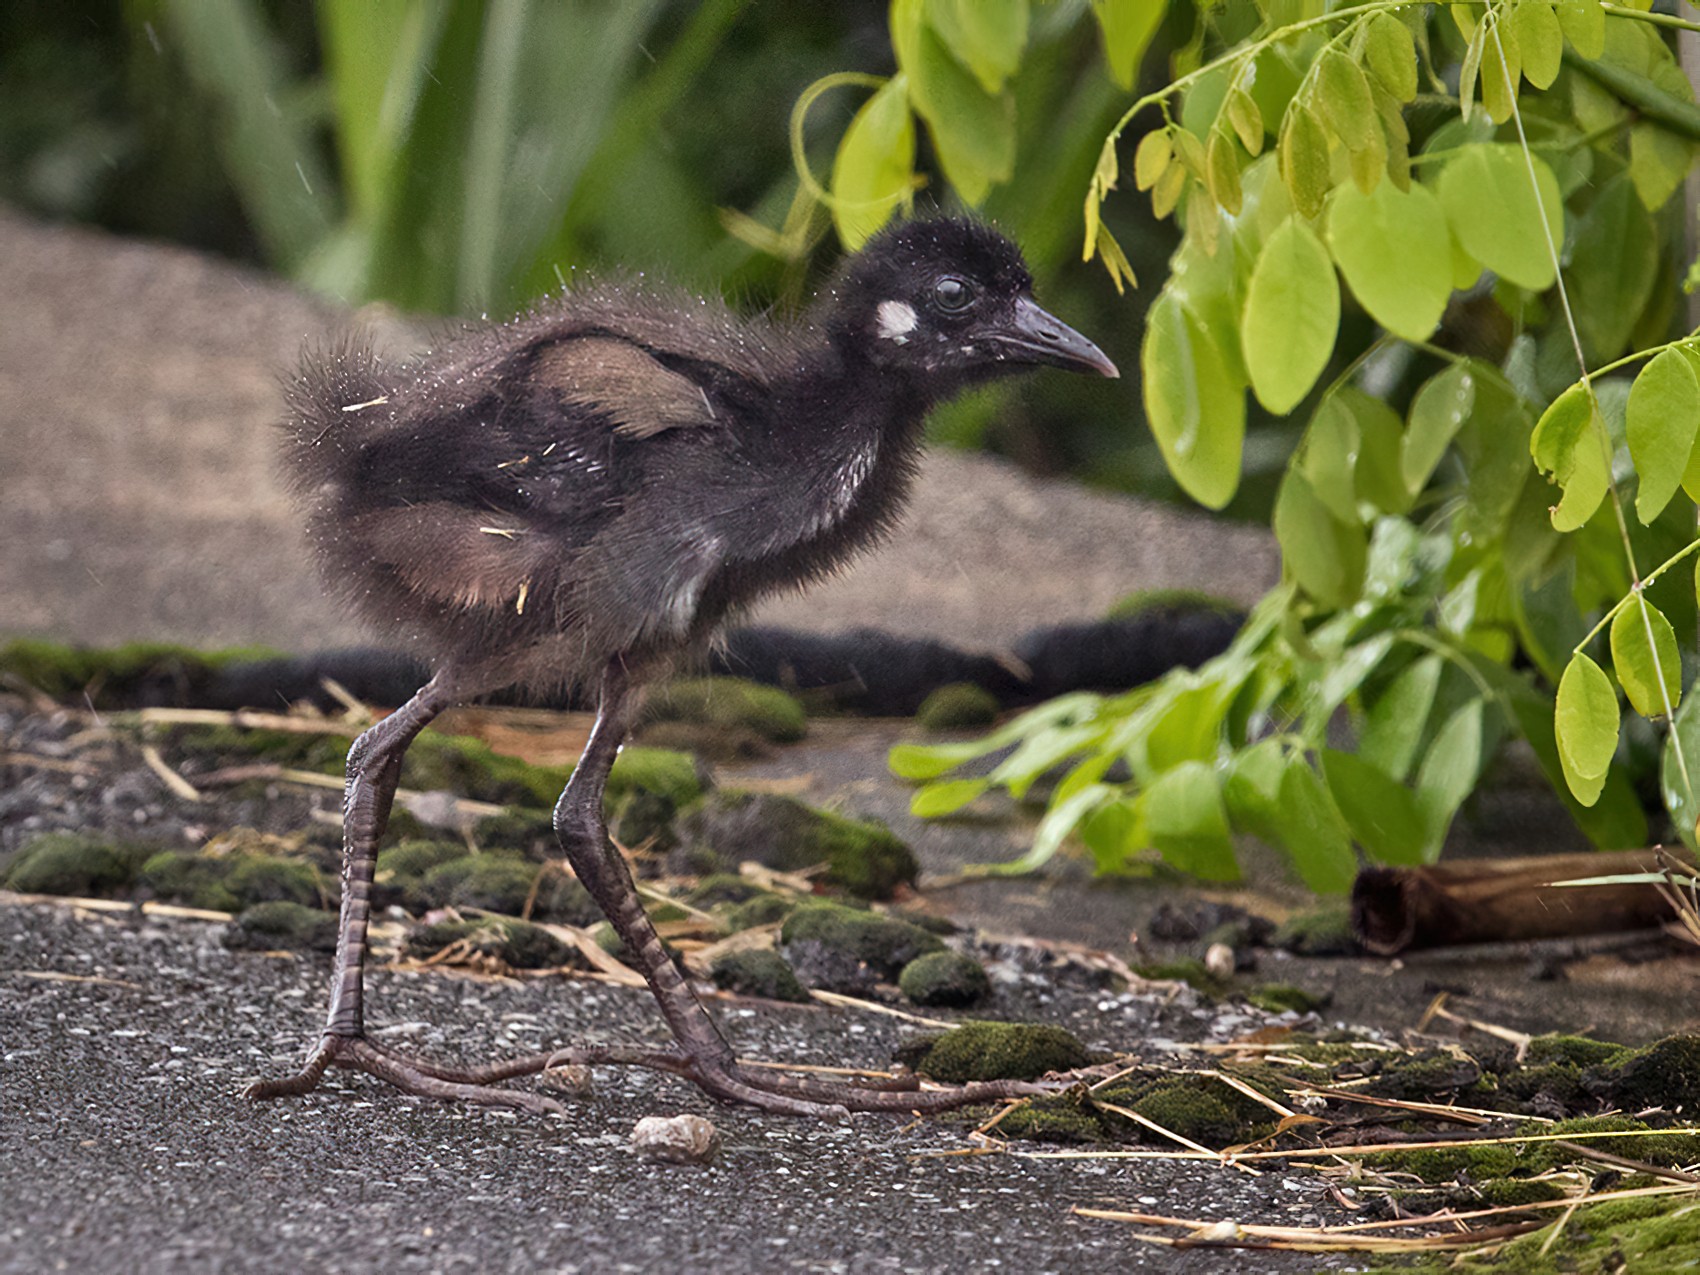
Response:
column 123, row 1144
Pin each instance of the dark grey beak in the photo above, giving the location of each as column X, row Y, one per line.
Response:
column 1036, row 337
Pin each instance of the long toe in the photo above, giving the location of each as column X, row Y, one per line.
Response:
column 427, row 1080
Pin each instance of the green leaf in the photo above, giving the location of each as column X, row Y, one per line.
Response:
column 986, row 36
column 1245, row 119
column 874, row 170
column 1381, row 436
column 1395, row 250
column 1663, row 413
column 1568, row 444
column 1322, row 554
column 1584, row 25
column 928, row 761
column 1392, row 55
column 1329, row 448
column 1127, row 26
column 1449, row 772
column 1468, row 73
column 1222, row 170
column 945, row 797
column 1519, row 240
column 1383, row 814
column 1292, row 313
column 1347, row 104
column 1500, row 70
column 1393, row 728
column 1643, row 650
column 1115, row 833
column 1585, row 722
column 1252, row 789
column 1658, row 161
column 1305, row 164
column 1440, row 408
column 973, row 130
column 1189, row 824
column 1197, row 412
column 1151, row 158
column 1540, row 41
column 1614, row 264
column 1309, row 826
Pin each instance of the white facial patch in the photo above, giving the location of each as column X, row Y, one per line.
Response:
column 896, row 321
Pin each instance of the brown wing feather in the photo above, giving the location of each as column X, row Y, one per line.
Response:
column 617, row 379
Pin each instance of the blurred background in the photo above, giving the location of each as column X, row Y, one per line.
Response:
column 452, row 157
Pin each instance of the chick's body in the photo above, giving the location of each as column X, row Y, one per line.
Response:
column 611, row 473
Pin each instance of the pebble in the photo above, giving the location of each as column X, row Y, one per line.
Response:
column 683, row 1139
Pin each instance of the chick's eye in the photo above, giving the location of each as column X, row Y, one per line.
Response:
column 953, row 294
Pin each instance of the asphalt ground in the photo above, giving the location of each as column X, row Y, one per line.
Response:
column 124, row 1146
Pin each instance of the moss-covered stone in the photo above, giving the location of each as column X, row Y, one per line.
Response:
column 957, row 706
column 517, row 944
column 1171, row 601
column 281, row 924
column 221, row 745
column 1664, row 1074
column 120, row 676
column 766, row 908
column 1283, row 998
column 1066, row 1118
column 194, row 880
column 1578, row 1051
column 945, row 979
column 762, row 972
column 730, row 704
column 230, row 883
column 994, row 1051
column 1425, row 1076
column 519, row 830
column 1324, row 930
column 673, row 775
column 1650, row 1234
column 864, row 859
column 401, row 869
column 70, row 863
column 503, row 883
column 265, row 878
column 846, row 949
column 1195, row 1106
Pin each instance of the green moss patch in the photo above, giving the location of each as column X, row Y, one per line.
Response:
column 957, row 706
column 1283, row 998
column 230, row 883
column 69, row 863
column 503, row 883
column 119, row 676
column 762, row 972
column 1324, row 930
column 864, row 859
column 730, row 704
column 844, row 948
column 1172, row 602
column 280, row 925
column 765, row 909
column 945, row 979
column 994, row 1051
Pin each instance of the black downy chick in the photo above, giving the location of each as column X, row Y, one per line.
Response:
column 580, row 497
